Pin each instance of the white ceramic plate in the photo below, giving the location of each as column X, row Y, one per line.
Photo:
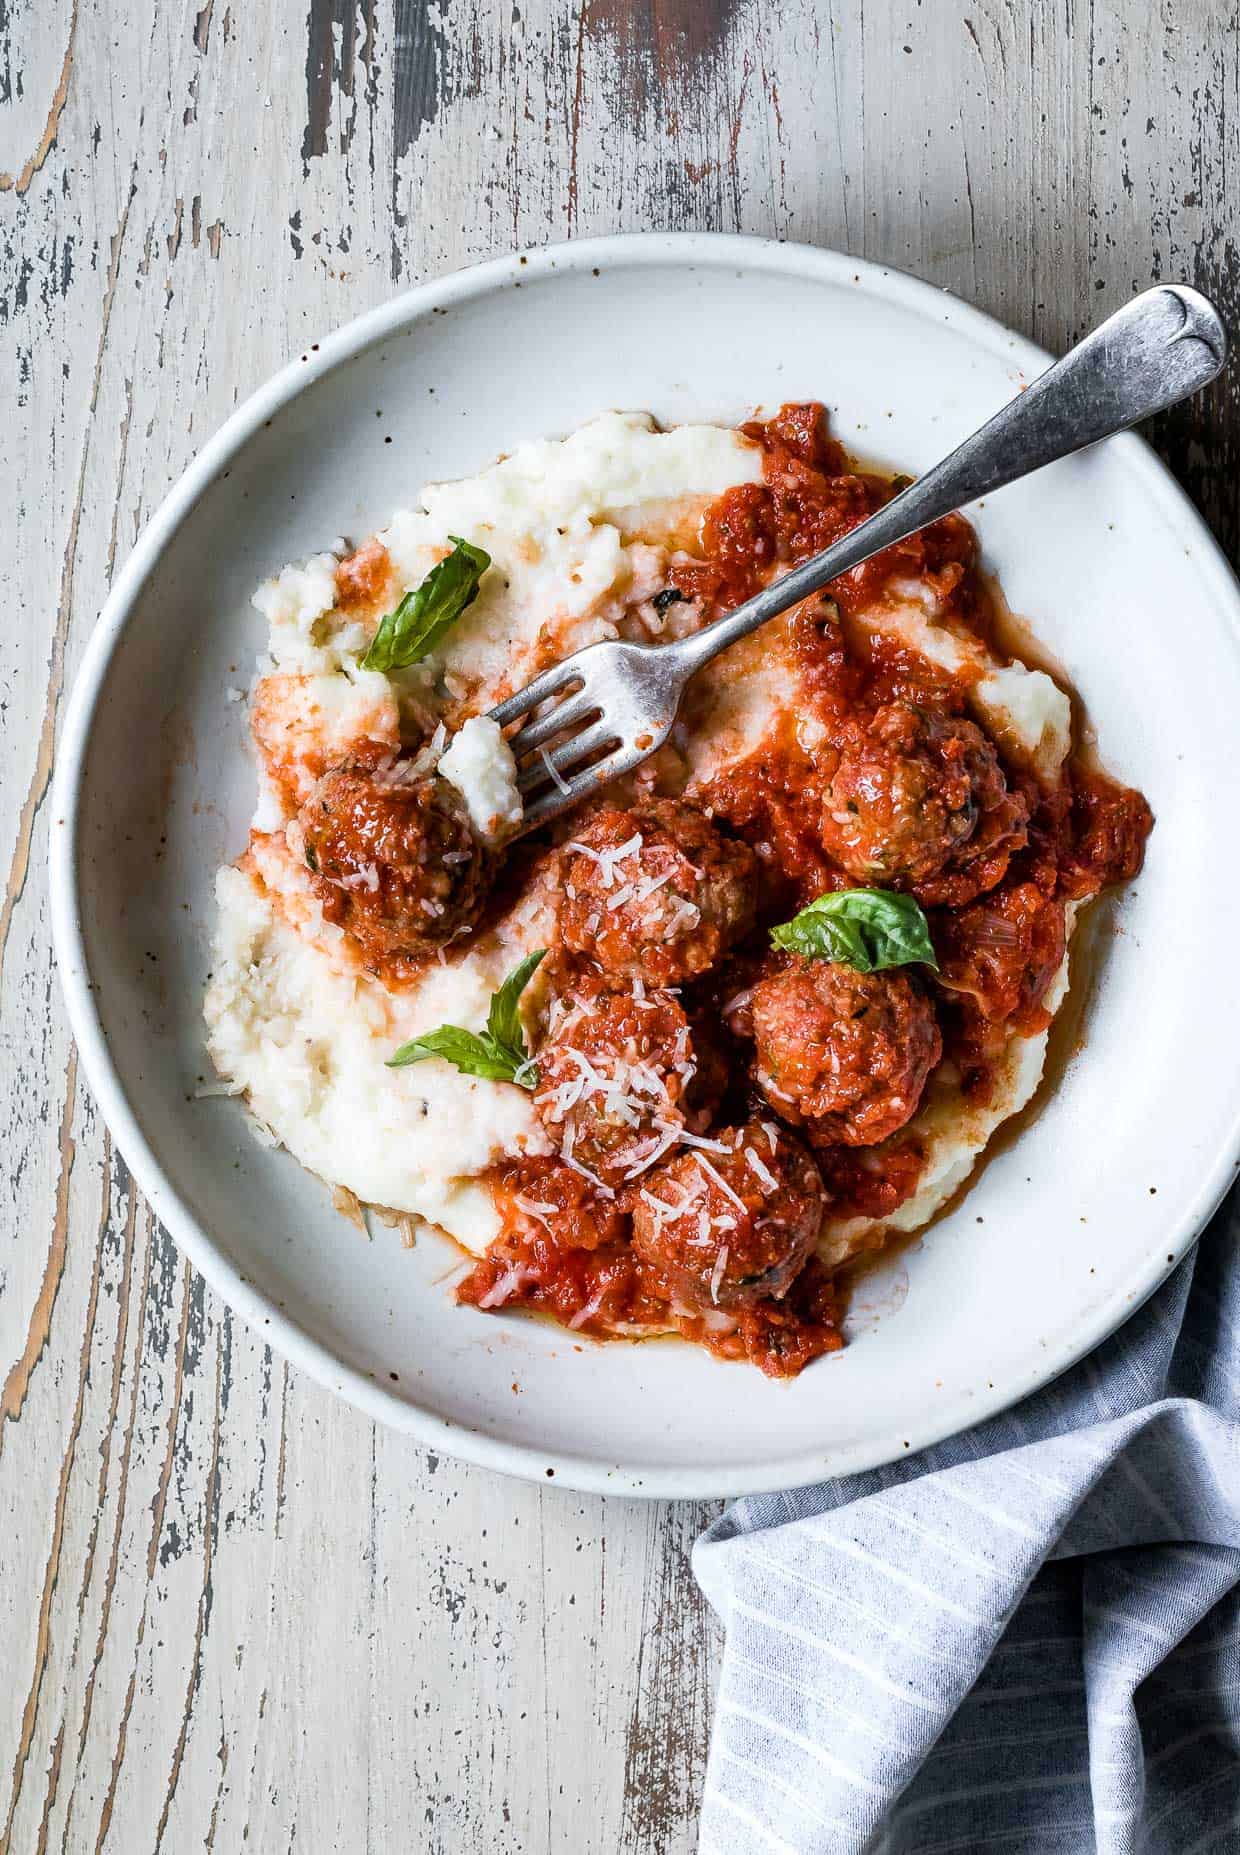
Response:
column 1066, row 1230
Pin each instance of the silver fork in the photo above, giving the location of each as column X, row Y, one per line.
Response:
column 605, row 709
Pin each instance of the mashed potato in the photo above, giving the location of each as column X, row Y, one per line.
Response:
column 581, row 533
column 480, row 765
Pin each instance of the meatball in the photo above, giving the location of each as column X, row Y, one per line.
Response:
column 732, row 1223
column 919, row 801
column 543, row 1198
column 618, row 1078
column 1001, row 954
column 396, row 858
column 656, row 891
column 1109, row 826
column 845, row 1054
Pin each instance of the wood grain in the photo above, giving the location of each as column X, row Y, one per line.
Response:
column 231, row 1612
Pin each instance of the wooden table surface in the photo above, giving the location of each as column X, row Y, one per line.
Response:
column 232, row 1612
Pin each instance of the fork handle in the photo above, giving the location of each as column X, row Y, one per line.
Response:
column 1163, row 345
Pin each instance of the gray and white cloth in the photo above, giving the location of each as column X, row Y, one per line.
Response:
column 1024, row 1640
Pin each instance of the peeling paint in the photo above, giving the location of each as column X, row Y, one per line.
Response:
column 204, row 1550
column 17, row 1384
column 202, row 28
column 19, row 182
column 658, row 44
column 664, row 1760
column 429, row 70
column 340, row 43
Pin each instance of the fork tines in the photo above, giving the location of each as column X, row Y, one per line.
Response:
column 564, row 737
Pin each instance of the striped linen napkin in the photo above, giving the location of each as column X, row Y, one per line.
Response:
column 1024, row 1640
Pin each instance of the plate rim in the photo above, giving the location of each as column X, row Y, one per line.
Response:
column 276, row 1328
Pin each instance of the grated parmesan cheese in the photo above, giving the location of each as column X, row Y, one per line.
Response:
column 608, row 859
column 713, row 1173
column 532, row 1207
column 717, row 1273
column 585, row 1172
column 293, row 1026
column 556, row 777
column 765, row 1177
column 700, row 1141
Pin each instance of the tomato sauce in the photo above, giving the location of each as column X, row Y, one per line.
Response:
column 572, row 1261
column 872, row 1181
column 808, row 500
column 1000, row 935
column 363, row 578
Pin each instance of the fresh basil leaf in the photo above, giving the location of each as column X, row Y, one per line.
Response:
column 504, row 1025
column 869, row 929
column 476, row 1056
column 499, row 1053
column 425, row 615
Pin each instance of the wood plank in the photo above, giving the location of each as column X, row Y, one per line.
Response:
column 228, row 1606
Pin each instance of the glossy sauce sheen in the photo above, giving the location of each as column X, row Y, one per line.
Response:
column 997, row 922
column 709, row 1099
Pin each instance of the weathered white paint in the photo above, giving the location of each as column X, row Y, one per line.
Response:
column 228, row 1605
